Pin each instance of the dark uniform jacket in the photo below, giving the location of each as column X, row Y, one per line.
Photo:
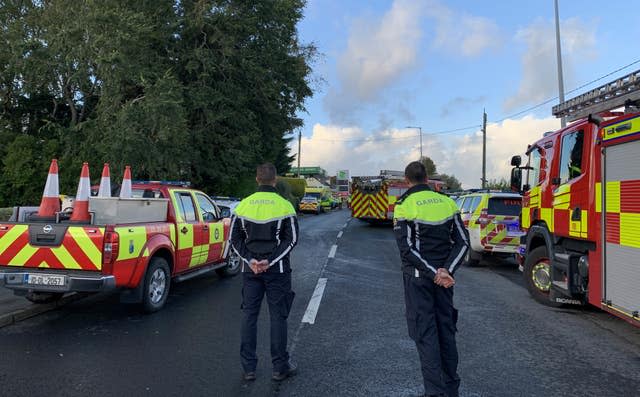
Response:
column 264, row 226
column 429, row 232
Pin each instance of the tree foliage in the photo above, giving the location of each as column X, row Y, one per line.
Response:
column 202, row 90
column 501, row 184
column 429, row 165
column 451, row 181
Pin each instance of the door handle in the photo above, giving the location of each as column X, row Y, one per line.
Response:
column 184, row 230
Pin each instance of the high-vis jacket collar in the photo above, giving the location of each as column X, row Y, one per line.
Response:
column 264, row 206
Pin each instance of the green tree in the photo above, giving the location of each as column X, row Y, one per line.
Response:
column 201, row 90
column 451, row 181
column 501, row 184
column 429, row 165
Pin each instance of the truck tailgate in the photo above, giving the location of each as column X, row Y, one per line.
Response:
column 51, row 246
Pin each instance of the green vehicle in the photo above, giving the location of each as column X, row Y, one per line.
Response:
column 323, row 195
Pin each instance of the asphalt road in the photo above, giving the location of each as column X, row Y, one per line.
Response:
column 357, row 345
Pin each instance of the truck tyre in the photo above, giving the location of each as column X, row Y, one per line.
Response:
column 537, row 277
column 233, row 267
column 44, row 297
column 157, row 281
column 472, row 259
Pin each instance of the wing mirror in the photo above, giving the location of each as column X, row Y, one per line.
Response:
column 516, row 178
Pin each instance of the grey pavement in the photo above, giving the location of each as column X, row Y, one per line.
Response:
column 358, row 345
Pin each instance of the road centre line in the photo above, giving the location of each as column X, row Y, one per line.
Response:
column 314, row 303
column 332, row 252
column 340, row 234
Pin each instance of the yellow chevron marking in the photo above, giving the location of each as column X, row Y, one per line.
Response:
column 68, row 261
column 88, row 247
column 11, row 236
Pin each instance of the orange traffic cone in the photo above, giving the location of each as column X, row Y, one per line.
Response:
column 105, row 182
column 81, row 205
column 50, row 203
column 125, row 189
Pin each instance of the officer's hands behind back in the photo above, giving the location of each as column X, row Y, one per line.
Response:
column 444, row 279
column 259, row 266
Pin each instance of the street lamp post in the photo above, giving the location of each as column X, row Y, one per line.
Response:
column 420, row 128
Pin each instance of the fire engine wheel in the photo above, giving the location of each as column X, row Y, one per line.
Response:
column 44, row 297
column 234, row 264
column 537, row 276
column 156, row 285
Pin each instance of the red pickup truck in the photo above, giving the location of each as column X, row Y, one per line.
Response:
column 166, row 233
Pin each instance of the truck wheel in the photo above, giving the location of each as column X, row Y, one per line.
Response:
column 472, row 259
column 44, row 297
column 537, row 276
column 234, row 264
column 156, row 285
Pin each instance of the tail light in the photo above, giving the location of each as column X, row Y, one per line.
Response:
column 484, row 217
column 111, row 246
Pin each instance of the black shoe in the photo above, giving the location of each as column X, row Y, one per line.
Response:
column 280, row 376
column 249, row 376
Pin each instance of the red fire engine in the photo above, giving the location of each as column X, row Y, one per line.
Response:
column 581, row 205
column 373, row 198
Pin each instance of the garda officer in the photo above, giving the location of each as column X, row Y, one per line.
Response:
column 264, row 230
column 432, row 243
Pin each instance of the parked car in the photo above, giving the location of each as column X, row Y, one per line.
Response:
column 229, row 202
column 493, row 222
column 310, row 204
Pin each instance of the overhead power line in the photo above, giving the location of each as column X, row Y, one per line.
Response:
column 476, row 126
column 568, row 92
column 397, row 138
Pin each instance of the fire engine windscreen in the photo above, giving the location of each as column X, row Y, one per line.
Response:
column 509, row 206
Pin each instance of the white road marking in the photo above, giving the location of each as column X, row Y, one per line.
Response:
column 345, row 225
column 340, row 234
column 314, row 304
column 332, row 252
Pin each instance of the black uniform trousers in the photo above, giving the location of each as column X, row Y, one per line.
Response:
column 431, row 319
column 277, row 287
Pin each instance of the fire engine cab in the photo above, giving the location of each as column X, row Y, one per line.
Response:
column 581, row 203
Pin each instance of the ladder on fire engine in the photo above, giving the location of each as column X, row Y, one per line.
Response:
column 615, row 94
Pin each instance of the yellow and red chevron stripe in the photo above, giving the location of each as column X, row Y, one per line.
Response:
column 81, row 249
column 369, row 205
column 493, row 234
column 623, row 213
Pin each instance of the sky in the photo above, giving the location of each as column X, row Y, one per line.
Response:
column 386, row 65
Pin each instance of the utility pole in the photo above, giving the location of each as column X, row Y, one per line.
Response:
column 563, row 121
column 484, row 149
column 299, row 149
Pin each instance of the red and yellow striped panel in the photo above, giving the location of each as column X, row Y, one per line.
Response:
column 369, row 205
column 81, row 249
column 495, row 234
column 622, row 208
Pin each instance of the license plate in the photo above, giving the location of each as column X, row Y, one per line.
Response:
column 45, row 279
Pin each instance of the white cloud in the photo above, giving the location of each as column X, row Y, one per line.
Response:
column 539, row 68
column 467, row 35
column 378, row 52
column 334, row 147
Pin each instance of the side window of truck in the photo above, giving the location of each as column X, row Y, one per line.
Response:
column 206, row 206
column 187, row 208
column 533, row 175
column 571, row 157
